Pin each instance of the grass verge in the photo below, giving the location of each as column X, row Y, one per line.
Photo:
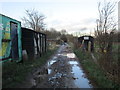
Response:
column 14, row 73
column 93, row 71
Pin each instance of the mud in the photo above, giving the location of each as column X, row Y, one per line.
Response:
column 61, row 71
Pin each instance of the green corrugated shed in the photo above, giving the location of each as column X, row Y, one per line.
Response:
column 6, row 27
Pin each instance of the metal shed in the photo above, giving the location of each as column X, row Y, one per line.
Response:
column 10, row 39
column 33, row 42
column 84, row 40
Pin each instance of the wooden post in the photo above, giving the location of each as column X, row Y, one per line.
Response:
column 89, row 46
column 45, row 44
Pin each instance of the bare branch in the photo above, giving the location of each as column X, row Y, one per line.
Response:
column 34, row 20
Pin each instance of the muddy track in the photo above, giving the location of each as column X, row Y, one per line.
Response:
column 61, row 71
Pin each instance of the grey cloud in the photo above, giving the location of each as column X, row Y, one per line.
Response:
column 83, row 29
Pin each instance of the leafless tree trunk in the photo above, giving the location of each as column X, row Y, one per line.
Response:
column 105, row 24
column 104, row 33
column 34, row 20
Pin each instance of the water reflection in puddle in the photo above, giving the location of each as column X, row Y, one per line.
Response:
column 73, row 62
column 71, row 55
column 63, row 54
column 80, row 81
column 52, row 61
column 54, row 57
column 49, row 71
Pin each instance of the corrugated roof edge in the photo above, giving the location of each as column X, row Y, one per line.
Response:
column 32, row 30
column 9, row 17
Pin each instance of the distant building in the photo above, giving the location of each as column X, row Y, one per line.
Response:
column 86, row 43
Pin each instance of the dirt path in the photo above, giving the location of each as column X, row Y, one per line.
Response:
column 61, row 71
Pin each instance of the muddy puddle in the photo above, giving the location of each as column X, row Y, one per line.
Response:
column 49, row 71
column 52, row 61
column 71, row 55
column 80, row 79
column 63, row 70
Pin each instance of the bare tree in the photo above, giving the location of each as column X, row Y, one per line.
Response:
column 63, row 31
column 34, row 20
column 106, row 18
column 105, row 33
column 105, row 24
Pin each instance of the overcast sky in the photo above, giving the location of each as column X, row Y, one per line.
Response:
column 72, row 15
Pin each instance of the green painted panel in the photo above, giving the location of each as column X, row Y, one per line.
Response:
column 5, row 37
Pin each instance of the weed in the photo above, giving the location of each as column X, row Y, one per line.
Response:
column 94, row 72
column 14, row 73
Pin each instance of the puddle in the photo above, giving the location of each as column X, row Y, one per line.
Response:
column 59, row 54
column 64, row 54
column 54, row 59
column 51, row 62
column 73, row 62
column 49, row 71
column 78, row 76
column 58, row 75
column 71, row 55
column 53, row 80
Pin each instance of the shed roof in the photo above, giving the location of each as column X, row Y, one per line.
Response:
column 23, row 28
